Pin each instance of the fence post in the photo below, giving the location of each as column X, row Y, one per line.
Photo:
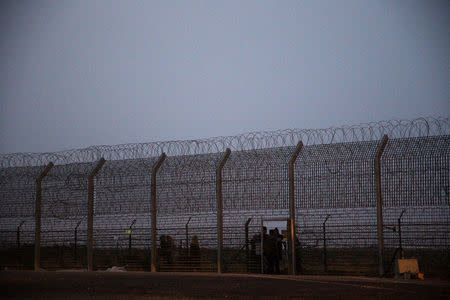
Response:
column 129, row 236
column 18, row 233
column 247, row 254
column 399, row 222
column 187, row 238
column 292, row 203
column 37, row 215
column 220, row 209
column 261, row 245
column 90, row 221
column 383, row 143
column 154, row 253
column 75, row 240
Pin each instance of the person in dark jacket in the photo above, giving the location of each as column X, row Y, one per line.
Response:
column 270, row 251
column 279, row 249
column 167, row 248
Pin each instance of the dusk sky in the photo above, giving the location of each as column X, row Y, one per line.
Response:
column 80, row 73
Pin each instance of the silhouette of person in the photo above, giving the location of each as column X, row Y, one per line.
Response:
column 166, row 244
column 278, row 245
column 270, row 251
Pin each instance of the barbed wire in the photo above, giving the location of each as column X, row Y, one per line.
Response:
column 395, row 129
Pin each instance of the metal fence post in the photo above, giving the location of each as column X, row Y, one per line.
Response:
column 187, row 237
column 261, row 245
column 37, row 215
column 247, row 251
column 75, row 240
column 90, row 221
column 383, row 143
column 154, row 253
column 399, row 222
column 292, row 203
column 220, row 209
column 129, row 236
column 18, row 233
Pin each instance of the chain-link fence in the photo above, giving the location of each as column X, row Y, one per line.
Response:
column 359, row 197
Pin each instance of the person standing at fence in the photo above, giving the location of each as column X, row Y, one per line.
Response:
column 270, row 251
column 278, row 244
column 195, row 253
column 167, row 248
column 298, row 256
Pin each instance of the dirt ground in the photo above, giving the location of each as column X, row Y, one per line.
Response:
column 146, row 285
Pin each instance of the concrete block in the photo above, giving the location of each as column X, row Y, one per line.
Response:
column 409, row 265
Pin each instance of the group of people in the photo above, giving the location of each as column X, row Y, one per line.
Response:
column 273, row 246
column 167, row 249
column 272, row 249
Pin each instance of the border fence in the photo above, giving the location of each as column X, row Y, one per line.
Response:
column 345, row 200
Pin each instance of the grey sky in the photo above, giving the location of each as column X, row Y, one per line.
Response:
column 80, row 73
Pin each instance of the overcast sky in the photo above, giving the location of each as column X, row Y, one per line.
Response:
column 81, row 73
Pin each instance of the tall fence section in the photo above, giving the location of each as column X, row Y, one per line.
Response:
column 343, row 200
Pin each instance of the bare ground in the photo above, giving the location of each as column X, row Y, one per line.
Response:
column 146, row 285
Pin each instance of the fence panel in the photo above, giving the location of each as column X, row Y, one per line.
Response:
column 336, row 208
column 64, row 210
column 17, row 196
column 122, row 227
column 186, row 190
column 255, row 186
column 416, row 202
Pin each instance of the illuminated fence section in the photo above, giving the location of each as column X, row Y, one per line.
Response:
column 335, row 202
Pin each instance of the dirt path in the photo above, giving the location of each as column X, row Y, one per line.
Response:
column 142, row 285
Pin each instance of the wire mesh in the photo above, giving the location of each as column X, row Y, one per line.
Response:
column 17, row 192
column 186, row 189
column 336, row 180
column 64, row 204
column 415, row 185
column 335, row 200
column 255, row 186
column 122, row 214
